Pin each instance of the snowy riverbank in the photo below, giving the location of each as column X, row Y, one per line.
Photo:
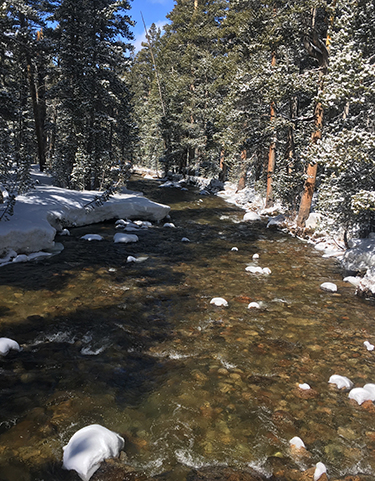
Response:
column 358, row 260
column 47, row 210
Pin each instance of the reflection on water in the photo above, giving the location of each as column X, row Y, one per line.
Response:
column 138, row 348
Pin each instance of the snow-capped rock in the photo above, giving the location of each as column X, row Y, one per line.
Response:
column 297, row 442
column 185, row 239
column 7, row 344
column 253, row 305
column 320, row 469
column 361, row 394
column 328, row 286
column 369, row 346
column 304, row 386
column 340, row 381
column 354, row 281
column 258, row 270
column 254, row 269
column 169, row 224
column 88, row 447
column 125, row 238
column 234, row 249
column 219, row 301
column 91, row 237
column 251, row 216
column 256, row 256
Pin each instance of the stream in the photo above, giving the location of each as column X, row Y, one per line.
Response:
column 138, row 348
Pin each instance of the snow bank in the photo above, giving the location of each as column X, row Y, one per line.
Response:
column 39, row 214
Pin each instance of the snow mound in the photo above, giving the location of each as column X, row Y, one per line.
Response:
column 88, row 447
column 251, row 216
column 125, row 238
column 253, row 305
column 362, row 394
column 219, row 301
column 7, row 344
column 320, row 469
column 328, row 286
column 297, row 442
column 304, row 386
column 340, row 381
column 258, row 270
column 91, row 237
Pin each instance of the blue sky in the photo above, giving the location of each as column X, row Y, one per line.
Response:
column 154, row 11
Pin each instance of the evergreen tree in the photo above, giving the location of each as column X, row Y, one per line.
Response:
column 92, row 95
column 347, row 150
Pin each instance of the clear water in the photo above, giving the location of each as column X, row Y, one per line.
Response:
column 138, row 348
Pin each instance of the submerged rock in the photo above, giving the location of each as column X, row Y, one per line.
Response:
column 224, row 473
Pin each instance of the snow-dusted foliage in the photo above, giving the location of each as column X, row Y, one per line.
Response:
column 347, row 149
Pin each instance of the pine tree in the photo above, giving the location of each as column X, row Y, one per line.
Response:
column 347, row 150
column 92, row 96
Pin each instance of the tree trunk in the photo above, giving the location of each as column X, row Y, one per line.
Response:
column 308, row 191
column 223, row 167
column 271, row 152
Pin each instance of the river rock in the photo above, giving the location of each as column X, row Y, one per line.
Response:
column 224, row 473
column 88, row 447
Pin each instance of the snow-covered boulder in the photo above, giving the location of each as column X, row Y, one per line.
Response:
column 91, row 237
column 7, row 344
column 125, row 238
column 251, row 216
column 320, row 469
column 369, row 346
column 253, row 305
column 304, row 386
column 297, row 443
column 219, row 301
column 328, row 286
column 340, row 381
column 88, row 447
column 258, row 270
column 362, row 394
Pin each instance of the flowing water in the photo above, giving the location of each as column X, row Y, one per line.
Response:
column 138, row 348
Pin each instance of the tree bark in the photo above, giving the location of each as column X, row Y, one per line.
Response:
column 308, row 191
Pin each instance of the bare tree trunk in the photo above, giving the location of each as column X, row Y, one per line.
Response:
column 272, row 151
column 308, row 191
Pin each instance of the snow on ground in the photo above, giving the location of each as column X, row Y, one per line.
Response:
column 46, row 210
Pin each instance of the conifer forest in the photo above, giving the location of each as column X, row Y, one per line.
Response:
column 276, row 95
